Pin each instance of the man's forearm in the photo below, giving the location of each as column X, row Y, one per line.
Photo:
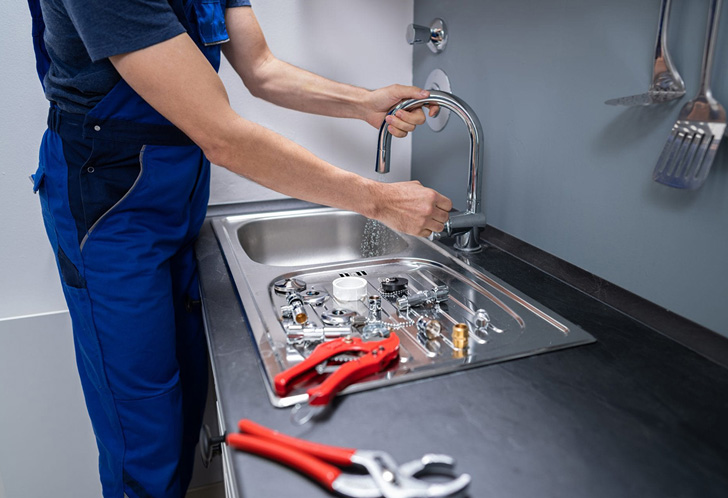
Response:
column 176, row 79
column 281, row 83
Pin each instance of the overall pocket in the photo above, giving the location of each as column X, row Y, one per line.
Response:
column 37, row 178
column 211, row 22
column 106, row 179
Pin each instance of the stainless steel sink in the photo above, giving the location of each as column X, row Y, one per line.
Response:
column 319, row 245
column 301, row 239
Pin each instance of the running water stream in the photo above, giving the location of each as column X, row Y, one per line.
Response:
column 377, row 238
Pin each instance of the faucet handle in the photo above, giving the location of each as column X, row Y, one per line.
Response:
column 416, row 34
column 435, row 36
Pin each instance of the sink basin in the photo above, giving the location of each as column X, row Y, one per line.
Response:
column 313, row 247
column 314, row 238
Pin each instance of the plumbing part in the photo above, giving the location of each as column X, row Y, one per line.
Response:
column 297, row 333
column 460, row 335
column 375, row 308
column 286, row 285
column 357, row 322
column 438, row 80
column 338, row 316
column 350, row 288
column 482, row 320
column 436, row 295
column 465, row 226
column 375, row 329
column 296, row 308
column 315, row 297
column 430, row 327
column 394, row 285
column 435, row 36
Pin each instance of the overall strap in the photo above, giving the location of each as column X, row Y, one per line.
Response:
column 42, row 60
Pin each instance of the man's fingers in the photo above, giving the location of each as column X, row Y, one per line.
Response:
column 396, row 132
column 442, row 202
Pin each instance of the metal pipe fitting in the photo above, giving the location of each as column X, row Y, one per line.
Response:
column 460, row 334
column 375, row 308
column 429, row 327
column 297, row 311
column 436, row 295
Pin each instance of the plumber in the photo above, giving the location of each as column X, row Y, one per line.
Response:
column 137, row 112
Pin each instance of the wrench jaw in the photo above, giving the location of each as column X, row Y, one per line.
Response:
column 405, row 481
column 356, row 486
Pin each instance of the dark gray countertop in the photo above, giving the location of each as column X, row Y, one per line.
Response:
column 634, row 414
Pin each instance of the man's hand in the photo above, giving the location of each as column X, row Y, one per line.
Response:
column 411, row 208
column 380, row 101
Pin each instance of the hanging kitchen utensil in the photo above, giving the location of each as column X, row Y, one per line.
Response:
column 667, row 85
column 690, row 150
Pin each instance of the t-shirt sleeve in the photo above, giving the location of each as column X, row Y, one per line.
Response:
column 238, row 3
column 115, row 27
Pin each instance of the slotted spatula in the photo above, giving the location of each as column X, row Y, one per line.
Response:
column 690, row 150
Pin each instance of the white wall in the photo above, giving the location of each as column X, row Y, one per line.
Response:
column 355, row 41
column 28, row 275
column 352, row 41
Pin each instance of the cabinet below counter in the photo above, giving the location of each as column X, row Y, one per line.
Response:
column 634, row 414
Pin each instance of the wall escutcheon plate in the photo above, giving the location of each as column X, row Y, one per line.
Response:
column 438, row 80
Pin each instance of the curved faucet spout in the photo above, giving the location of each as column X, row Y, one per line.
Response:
column 475, row 131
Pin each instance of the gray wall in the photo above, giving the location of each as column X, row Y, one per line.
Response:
column 563, row 171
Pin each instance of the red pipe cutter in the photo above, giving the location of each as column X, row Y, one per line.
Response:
column 357, row 359
column 384, row 477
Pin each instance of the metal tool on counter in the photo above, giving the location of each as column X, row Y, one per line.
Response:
column 667, row 85
column 353, row 359
column 383, row 477
column 690, row 150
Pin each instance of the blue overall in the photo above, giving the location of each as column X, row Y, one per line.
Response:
column 123, row 195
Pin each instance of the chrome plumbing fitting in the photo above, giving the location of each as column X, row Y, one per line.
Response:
column 429, row 327
column 375, row 308
column 298, row 333
column 482, row 320
column 295, row 308
column 436, row 295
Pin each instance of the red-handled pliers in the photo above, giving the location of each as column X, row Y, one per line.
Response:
column 373, row 357
column 321, row 462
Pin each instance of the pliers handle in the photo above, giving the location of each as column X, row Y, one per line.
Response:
column 374, row 357
column 316, row 460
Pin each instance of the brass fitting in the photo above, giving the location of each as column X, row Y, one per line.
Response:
column 460, row 335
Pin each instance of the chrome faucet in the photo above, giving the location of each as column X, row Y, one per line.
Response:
column 465, row 226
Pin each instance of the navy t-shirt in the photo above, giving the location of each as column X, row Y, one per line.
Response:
column 81, row 35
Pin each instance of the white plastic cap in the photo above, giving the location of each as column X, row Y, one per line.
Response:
column 350, row 288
